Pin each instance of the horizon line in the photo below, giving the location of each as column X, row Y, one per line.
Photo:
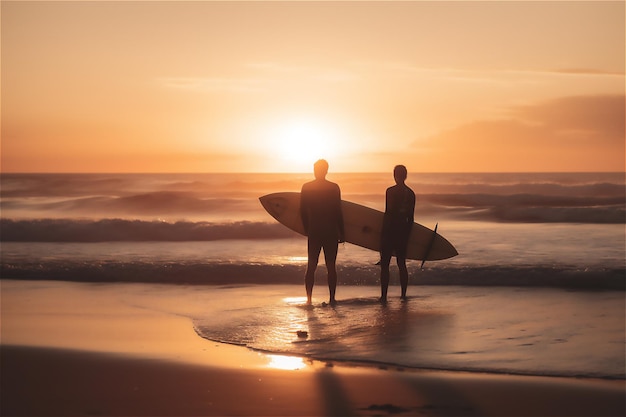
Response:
column 291, row 172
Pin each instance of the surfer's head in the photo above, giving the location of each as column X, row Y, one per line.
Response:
column 320, row 168
column 399, row 173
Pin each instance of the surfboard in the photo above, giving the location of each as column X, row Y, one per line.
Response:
column 363, row 226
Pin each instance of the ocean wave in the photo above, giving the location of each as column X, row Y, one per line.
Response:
column 112, row 230
column 227, row 273
column 161, row 203
column 207, row 185
column 530, row 214
column 550, row 198
column 520, row 208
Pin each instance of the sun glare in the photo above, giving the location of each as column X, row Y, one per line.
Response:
column 300, row 142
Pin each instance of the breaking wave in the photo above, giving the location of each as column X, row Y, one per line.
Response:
column 551, row 198
column 228, row 273
column 113, row 230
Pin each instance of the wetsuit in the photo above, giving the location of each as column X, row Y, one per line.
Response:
column 398, row 220
column 397, row 224
column 320, row 210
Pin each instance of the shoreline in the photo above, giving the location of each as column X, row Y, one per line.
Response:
column 70, row 350
column 224, row 274
column 388, row 366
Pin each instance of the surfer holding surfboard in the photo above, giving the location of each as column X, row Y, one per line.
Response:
column 322, row 219
column 359, row 225
column 397, row 225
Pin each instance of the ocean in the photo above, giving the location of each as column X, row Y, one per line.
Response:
column 537, row 287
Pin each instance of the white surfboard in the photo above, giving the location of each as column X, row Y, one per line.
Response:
column 363, row 227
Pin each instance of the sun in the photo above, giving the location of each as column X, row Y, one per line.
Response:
column 301, row 142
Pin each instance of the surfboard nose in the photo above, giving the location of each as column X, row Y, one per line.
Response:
column 275, row 205
column 284, row 207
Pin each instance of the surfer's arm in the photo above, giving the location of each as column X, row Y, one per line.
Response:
column 388, row 203
column 304, row 213
column 342, row 231
column 410, row 218
column 340, row 223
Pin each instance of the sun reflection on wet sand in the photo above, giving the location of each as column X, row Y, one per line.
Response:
column 288, row 363
column 294, row 300
column 297, row 259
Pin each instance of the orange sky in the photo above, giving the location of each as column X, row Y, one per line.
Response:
column 272, row 86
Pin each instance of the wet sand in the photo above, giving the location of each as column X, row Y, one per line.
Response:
column 70, row 349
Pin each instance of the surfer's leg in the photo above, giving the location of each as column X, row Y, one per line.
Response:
column 314, row 249
column 385, row 260
column 400, row 249
column 404, row 275
column 330, row 257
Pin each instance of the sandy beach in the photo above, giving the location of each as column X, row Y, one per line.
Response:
column 76, row 349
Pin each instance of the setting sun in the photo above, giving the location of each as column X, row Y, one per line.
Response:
column 300, row 142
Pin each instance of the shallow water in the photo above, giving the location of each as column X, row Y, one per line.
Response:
column 534, row 331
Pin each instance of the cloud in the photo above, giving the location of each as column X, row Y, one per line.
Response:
column 594, row 119
column 303, row 72
column 481, row 73
column 587, row 71
column 568, row 133
column 213, row 84
column 265, row 77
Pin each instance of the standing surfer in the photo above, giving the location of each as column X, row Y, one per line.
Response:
column 397, row 223
column 320, row 210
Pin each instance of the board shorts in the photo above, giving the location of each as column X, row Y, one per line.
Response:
column 330, row 246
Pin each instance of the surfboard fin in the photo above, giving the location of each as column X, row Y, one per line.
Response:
column 430, row 245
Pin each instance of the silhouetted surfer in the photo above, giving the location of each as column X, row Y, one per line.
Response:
column 397, row 223
column 320, row 209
